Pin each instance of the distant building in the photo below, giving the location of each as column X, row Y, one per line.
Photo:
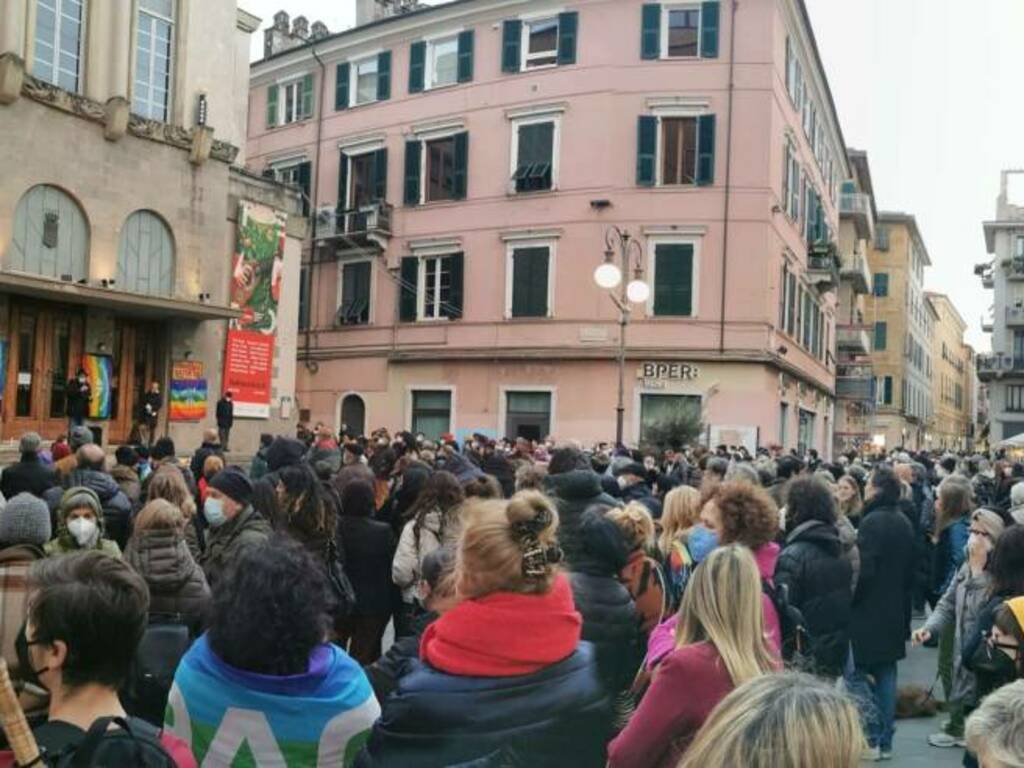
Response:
column 951, row 427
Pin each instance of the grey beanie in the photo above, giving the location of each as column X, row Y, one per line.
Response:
column 25, row 520
column 80, row 496
column 30, row 443
column 80, row 435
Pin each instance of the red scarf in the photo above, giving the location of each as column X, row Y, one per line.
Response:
column 505, row 634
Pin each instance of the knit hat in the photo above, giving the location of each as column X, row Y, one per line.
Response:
column 30, row 442
column 25, row 520
column 80, row 435
column 80, row 496
column 284, row 452
column 990, row 522
column 630, row 468
column 233, row 483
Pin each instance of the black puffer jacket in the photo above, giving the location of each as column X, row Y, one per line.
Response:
column 818, row 579
column 176, row 582
column 610, row 620
column 573, row 492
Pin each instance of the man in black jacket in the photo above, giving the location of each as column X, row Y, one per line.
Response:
column 29, row 475
column 574, row 487
column 225, row 419
column 152, row 402
column 79, row 393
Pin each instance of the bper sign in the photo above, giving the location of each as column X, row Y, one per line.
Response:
column 671, row 371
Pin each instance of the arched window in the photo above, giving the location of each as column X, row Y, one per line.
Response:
column 145, row 256
column 353, row 415
column 51, row 235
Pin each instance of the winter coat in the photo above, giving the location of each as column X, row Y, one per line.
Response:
column 817, row 579
column 573, row 493
column 63, row 542
column 155, row 401
column 974, row 636
column 205, row 451
column 949, row 554
column 501, row 469
column 367, row 547
column 78, row 396
column 881, row 606
column 258, row 466
column 117, row 509
column 29, row 475
column 176, row 582
column 15, row 562
column 405, row 569
column 960, row 607
column 642, row 492
column 225, row 413
column 396, row 662
column 127, row 480
column 851, row 553
column 225, row 543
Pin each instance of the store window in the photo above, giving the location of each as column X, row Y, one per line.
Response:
column 431, row 412
column 528, row 414
column 660, row 413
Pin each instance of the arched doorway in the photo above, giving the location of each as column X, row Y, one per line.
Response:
column 353, row 415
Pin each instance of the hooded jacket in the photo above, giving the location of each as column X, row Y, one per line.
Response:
column 225, row 543
column 117, row 509
column 127, row 480
column 405, row 568
column 176, row 582
column 817, row 577
column 573, row 493
column 64, row 542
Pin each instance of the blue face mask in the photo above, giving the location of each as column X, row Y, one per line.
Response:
column 701, row 541
column 213, row 510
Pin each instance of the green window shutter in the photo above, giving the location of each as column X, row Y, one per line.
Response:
column 705, row 150
column 342, row 78
column 709, row 26
column 650, row 37
column 383, row 75
column 305, row 174
column 568, row 32
column 307, row 96
column 407, row 291
column 271, row 106
column 413, row 154
column 342, row 182
column 673, row 280
column 881, row 286
column 380, row 174
column 465, row 70
column 646, row 150
column 456, row 265
column 355, row 293
column 881, row 333
column 417, row 66
column 530, row 268
column 460, row 173
column 511, row 41
column 887, row 392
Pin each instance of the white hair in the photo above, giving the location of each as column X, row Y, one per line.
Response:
column 995, row 730
column 1017, row 495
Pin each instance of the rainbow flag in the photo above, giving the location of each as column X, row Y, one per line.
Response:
column 99, row 369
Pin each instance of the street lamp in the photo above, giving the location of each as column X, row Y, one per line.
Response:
column 609, row 276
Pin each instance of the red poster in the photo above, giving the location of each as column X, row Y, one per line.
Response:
column 248, row 369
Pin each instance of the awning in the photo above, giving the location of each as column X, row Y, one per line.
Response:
column 120, row 302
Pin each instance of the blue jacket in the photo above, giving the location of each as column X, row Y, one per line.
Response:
column 950, row 552
column 557, row 716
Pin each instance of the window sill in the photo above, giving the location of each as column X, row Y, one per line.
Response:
column 527, row 320
column 539, row 68
column 350, row 107
column 666, row 318
column 666, row 57
column 531, row 193
column 440, row 87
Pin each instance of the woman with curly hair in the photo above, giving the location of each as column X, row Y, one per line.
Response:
column 504, row 679
column 263, row 673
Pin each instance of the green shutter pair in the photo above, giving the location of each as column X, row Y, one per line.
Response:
column 343, row 76
column 414, row 169
column 418, row 62
column 355, row 293
column 408, row 289
column 647, row 150
column 530, row 268
column 306, row 106
column 512, row 41
column 673, row 280
column 650, row 30
column 305, row 101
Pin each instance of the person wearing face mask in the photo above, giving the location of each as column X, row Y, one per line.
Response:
column 234, row 525
column 79, row 392
column 80, row 525
column 633, row 487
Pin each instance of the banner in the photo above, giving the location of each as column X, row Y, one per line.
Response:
column 189, row 396
column 99, row 370
column 256, row 272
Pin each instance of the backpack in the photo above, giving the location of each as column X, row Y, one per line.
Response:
column 645, row 581
column 165, row 641
column 796, row 640
column 134, row 744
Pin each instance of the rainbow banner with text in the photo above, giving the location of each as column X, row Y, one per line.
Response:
column 99, row 369
column 189, row 391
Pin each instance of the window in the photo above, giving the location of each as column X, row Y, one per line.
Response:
column 679, row 150
column 791, row 314
column 659, row 414
column 62, row 252
column 805, row 431
column 368, row 78
column 529, row 288
column 535, row 155
column 682, row 32
column 363, row 179
column 298, row 175
column 443, row 62
column 791, row 183
column 57, row 55
column 437, row 287
column 673, row 279
column 354, row 292
column 679, row 30
column 881, row 330
column 1015, row 398
column 440, row 178
column 436, row 169
column 154, row 55
column 528, row 414
column 1018, row 349
column 290, row 102
column 1020, row 247
column 883, row 390
column 431, row 413
column 364, row 75
column 145, row 256
column 882, row 237
column 783, row 423
column 540, row 43
column 675, row 150
column 881, row 284
column 431, row 287
column 304, row 297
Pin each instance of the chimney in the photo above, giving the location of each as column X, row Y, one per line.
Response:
column 319, row 30
column 300, row 27
column 276, row 37
column 368, row 11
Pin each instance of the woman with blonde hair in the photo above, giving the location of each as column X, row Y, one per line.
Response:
column 720, row 644
column 643, row 574
column 504, row 677
column 784, row 720
column 680, row 513
column 168, row 484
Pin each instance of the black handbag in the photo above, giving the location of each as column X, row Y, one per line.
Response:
column 342, row 592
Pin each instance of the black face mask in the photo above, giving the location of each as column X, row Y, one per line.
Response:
column 998, row 665
column 28, row 673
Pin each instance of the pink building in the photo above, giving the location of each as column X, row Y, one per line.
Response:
column 464, row 162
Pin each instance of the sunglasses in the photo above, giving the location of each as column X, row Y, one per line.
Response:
column 1005, row 646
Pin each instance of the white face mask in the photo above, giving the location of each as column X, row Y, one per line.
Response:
column 623, row 482
column 85, row 531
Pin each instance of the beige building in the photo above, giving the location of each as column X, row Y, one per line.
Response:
column 952, row 362
column 122, row 124
column 903, row 323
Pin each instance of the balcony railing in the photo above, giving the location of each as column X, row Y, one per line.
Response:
column 366, row 223
column 855, row 388
column 1014, row 268
column 857, row 207
column 823, row 268
column 853, row 338
column 998, row 365
column 1015, row 316
column 854, row 267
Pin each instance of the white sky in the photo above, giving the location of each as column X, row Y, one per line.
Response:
column 931, row 89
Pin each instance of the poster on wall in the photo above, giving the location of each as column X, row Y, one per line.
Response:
column 189, row 396
column 256, row 271
column 734, row 436
column 99, row 370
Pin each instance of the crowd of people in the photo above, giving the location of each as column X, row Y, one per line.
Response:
column 551, row 604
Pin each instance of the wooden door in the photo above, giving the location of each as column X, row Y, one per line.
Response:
column 138, row 360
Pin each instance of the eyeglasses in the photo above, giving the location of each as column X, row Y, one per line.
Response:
column 976, row 532
column 1005, row 646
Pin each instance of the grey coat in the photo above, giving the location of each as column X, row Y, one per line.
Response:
column 959, row 607
column 851, row 553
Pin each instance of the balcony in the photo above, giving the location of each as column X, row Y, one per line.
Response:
column 823, row 268
column 853, row 339
column 856, row 206
column 366, row 227
column 1015, row 316
column 860, row 388
column 854, row 268
column 1014, row 268
column 998, row 365
column 986, row 325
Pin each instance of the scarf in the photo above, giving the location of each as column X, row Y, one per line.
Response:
column 505, row 634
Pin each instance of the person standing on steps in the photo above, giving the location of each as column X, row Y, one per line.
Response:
column 152, row 402
column 78, row 397
column 225, row 419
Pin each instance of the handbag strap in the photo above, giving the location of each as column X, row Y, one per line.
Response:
column 86, row 749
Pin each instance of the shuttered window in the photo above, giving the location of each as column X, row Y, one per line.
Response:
column 675, row 150
column 530, row 275
column 50, row 235
column 535, row 156
column 881, row 284
column 431, row 413
column 673, row 279
column 680, row 30
column 354, row 306
column 431, row 287
column 881, row 336
column 145, row 256
column 679, row 150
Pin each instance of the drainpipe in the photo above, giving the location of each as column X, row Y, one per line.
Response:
column 313, row 199
column 728, row 168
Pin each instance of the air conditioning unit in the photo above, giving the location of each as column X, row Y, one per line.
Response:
column 326, row 222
